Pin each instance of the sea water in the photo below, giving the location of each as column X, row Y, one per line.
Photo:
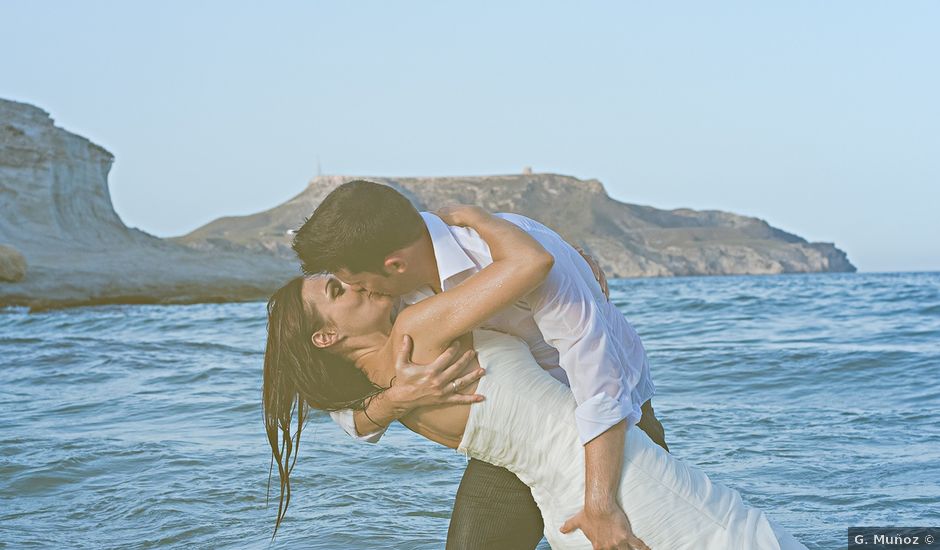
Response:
column 816, row 396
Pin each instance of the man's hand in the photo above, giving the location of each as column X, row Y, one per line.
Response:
column 438, row 383
column 602, row 520
column 607, row 527
column 596, row 268
column 414, row 386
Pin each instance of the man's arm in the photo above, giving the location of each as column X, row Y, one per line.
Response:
column 600, row 352
column 603, row 364
column 602, row 520
column 413, row 386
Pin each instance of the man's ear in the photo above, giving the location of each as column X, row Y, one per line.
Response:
column 395, row 264
column 324, row 338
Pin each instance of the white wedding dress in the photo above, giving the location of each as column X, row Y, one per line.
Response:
column 526, row 424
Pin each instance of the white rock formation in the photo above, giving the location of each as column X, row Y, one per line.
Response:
column 56, row 209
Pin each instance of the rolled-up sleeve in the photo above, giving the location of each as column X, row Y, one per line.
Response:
column 347, row 421
column 599, row 351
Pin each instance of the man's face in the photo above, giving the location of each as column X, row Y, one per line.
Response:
column 395, row 284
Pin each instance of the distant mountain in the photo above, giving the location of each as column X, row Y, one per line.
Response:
column 58, row 227
column 55, row 210
column 629, row 240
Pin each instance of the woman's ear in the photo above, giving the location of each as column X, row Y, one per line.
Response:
column 324, row 338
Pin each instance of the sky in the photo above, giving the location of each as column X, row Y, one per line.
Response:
column 821, row 118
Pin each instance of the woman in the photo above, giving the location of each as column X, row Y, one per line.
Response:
column 331, row 347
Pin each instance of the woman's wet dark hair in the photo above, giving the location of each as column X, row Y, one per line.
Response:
column 299, row 376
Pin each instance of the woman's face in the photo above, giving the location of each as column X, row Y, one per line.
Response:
column 349, row 312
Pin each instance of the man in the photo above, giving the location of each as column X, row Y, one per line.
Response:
column 372, row 238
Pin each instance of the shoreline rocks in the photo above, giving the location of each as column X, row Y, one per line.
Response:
column 12, row 265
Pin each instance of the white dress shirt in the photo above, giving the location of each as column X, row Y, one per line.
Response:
column 574, row 332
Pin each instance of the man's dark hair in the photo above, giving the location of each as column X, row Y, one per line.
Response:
column 355, row 228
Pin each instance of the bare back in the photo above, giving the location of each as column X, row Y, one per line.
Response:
column 442, row 424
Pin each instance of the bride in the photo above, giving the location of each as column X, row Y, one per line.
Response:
column 333, row 347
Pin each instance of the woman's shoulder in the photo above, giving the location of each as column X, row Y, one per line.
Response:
column 405, row 322
column 416, row 317
column 415, row 323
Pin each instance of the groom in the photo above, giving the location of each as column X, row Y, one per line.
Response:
column 372, row 238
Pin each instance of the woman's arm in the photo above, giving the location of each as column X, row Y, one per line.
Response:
column 520, row 264
column 471, row 216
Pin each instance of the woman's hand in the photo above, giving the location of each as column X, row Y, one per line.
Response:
column 468, row 215
column 519, row 265
column 596, row 268
column 462, row 215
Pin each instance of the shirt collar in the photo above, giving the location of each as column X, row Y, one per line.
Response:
column 450, row 256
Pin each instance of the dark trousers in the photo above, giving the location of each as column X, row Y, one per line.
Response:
column 494, row 510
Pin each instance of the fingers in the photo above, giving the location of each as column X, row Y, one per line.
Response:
column 571, row 524
column 450, row 214
column 470, row 378
column 444, row 213
column 601, row 278
column 463, row 382
column 596, row 270
column 445, row 359
column 404, row 354
column 462, row 399
column 634, row 543
column 459, row 366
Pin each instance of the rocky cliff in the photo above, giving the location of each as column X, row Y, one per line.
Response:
column 629, row 240
column 55, row 209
